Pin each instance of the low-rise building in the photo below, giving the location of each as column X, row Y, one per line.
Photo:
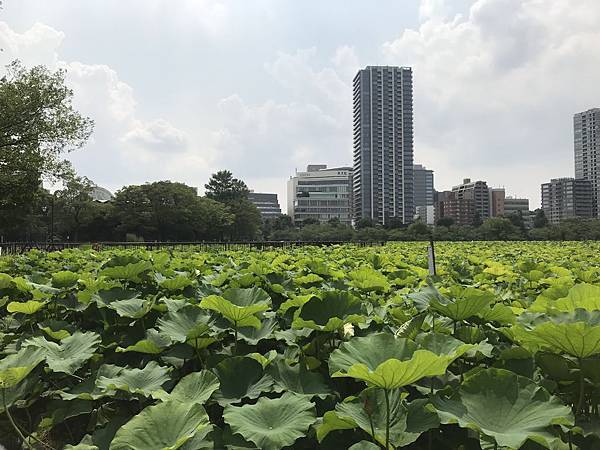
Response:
column 513, row 205
column 459, row 208
column 266, row 203
column 321, row 193
column 564, row 198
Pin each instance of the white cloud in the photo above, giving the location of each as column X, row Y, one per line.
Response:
column 495, row 90
column 158, row 134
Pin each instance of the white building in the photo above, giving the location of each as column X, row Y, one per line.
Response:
column 320, row 193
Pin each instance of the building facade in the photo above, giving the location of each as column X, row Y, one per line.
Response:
column 321, row 193
column 383, row 144
column 513, row 205
column 478, row 192
column 564, row 198
column 497, row 202
column 423, row 186
column 266, row 203
column 586, row 127
column 460, row 209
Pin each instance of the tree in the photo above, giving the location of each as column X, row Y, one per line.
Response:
column 418, row 230
column 365, row 222
column 540, row 220
column 247, row 219
column 445, row 221
column 499, row 229
column 222, row 187
column 308, row 221
column 71, row 203
column 38, row 125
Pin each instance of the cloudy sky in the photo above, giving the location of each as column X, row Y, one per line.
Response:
column 180, row 89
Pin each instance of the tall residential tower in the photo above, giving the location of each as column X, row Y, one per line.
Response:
column 383, row 144
column 586, row 126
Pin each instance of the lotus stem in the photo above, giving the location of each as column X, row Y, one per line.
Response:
column 579, row 408
column 12, row 422
column 387, row 419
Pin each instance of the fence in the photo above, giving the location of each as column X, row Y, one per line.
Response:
column 15, row 248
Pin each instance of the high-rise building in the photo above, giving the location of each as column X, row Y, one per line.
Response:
column 513, row 205
column 460, row 209
column 497, row 201
column 564, row 198
column 266, row 203
column 586, row 126
column 383, row 144
column 321, row 193
column 478, row 192
column 423, row 186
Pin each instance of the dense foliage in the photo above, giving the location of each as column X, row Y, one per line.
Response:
column 332, row 348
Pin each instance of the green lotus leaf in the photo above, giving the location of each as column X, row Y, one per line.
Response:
column 499, row 313
column 130, row 272
column 185, row 324
column 254, row 335
column 57, row 329
column 241, row 377
column 176, row 284
column 310, row 278
column 28, row 307
column 296, row 301
column 581, row 296
column 577, row 334
column 64, row 279
column 15, row 367
column 368, row 279
column 166, row 426
column 89, row 388
column 154, row 344
column 443, row 344
column 25, row 388
column 298, row 379
column 471, row 302
column 367, row 411
column 364, row 445
column 196, row 387
column 125, row 302
column 329, row 313
column 272, row 424
column 68, row 356
column 505, row 407
column 239, row 306
column 144, row 381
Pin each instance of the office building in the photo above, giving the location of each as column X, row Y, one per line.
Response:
column 426, row 214
column 383, row 144
column 423, row 186
column 478, row 192
column 460, row 209
column 586, row 127
column 513, row 205
column 266, row 203
column 321, row 193
column 564, row 198
column 497, row 202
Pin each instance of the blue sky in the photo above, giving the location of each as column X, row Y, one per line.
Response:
column 181, row 89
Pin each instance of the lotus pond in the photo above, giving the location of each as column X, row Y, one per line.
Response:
column 310, row 348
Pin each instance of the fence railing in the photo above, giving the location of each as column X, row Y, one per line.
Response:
column 15, row 248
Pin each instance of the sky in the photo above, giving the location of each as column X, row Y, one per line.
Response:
column 181, row 89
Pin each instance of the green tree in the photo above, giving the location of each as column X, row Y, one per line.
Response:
column 499, row 229
column 445, row 221
column 38, row 125
column 365, row 222
column 246, row 221
column 540, row 220
column 223, row 187
column 71, row 204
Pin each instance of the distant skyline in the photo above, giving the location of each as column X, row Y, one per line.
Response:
column 182, row 89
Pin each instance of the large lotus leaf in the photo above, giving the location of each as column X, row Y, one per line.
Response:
column 19, row 391
column 254, row 335
column 29, row 307
column 393, row 373
column 144, row 381
column 499, row 313
column 187, row 323
column 125, row 302
column 371, row 350
column 369, row 279
column 330, row 312
column 584, row 296
column 64, row 279
column 504, row 406
column 272, row 424
column 166, row 426
column 241, row 377
column 368, row 412
column 197, row 387
column 577, row 334
column 239, row 306
column 14, row 368
column 57, row 329
column 443, row 344
column 364, row 445
column 176, row 284
column 68, row 356
column 154, row 344
column 89, row 389
column 130, row 272
column 471, row 302
column 298, row 379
